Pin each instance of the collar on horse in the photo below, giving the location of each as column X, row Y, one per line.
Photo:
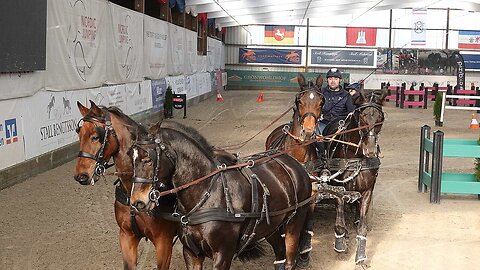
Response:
column 102, row 132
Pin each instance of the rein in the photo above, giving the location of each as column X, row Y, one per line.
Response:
column 240, row 145
column 249, row 163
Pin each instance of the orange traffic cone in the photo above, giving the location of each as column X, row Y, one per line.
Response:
column 219, row 97
column 474, row 123
column 260, row 98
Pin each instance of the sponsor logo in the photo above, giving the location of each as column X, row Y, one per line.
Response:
column 249, row 55
column 11, row 132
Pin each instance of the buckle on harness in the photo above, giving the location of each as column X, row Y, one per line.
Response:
column 184, row 220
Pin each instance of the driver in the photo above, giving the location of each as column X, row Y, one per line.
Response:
column 338, row 102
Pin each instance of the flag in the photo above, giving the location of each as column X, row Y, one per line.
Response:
column 468, row 39
column 279, row 34
column 419, row 24
column 361, row 36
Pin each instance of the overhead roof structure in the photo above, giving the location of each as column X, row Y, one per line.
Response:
column 246, row 12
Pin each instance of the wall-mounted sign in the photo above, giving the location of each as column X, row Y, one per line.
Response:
column 366, row 58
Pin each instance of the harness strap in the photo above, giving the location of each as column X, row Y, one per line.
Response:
column 335, row 164
column 123, row 198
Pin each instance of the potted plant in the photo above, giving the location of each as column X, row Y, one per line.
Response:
column 437, row 109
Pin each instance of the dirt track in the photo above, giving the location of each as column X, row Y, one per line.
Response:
column 51, row 222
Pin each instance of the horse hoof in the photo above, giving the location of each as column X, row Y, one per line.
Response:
column 361, row 256
column 361, row 266
column 280, row 266
column 340, row 245
column 303, row 260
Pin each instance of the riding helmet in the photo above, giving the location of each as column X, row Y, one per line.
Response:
column 334, row 72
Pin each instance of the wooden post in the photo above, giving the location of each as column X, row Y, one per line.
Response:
column 437, row 158
column 424, row 158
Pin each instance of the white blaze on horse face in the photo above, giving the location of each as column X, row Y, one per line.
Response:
column 312, row 96
column 134, row 157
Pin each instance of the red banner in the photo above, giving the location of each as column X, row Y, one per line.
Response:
column 361, row 36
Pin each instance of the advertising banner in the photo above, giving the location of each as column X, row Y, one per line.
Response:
column 190, row 52
column 158, row 94
column 11, row 133
column 361, row 36
column 177, row 47
column 468, row 39
column 270, row 56
column 76, row 38
column 472, row 60
column 25, row 84
column 212, row 54
column 125, row 45
column 363, row 58
column 51, row 120
column 248, row 78
column 419, row 27
column 155, row 48
column 460, row 70
column 113, row 95
column 177, row 83
column 139, row 97
column 279, row 34
column 191, row 88
column 204, row 84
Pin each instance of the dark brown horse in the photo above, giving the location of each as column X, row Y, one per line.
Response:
column 360, row 164
column 105, row 133
column 226, row 214
column 306, row 112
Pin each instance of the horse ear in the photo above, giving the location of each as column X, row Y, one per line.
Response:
column 301, row 80
column 382, row 96
column 94, row 108
column 319, row 81
column 155, row 128
column 83, row 110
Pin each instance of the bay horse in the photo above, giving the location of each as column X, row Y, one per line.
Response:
column 361, row 163
column 307, row 109
column 231, row 205
column 105, row 133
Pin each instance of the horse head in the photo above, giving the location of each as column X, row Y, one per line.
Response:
column 98, row 143
column 308, row 106
column 153, row 165
column 370, row 114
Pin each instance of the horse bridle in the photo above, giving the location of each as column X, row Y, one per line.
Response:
column 371, row 131
column 296, row 107
column 157, row 185
column 103, row 132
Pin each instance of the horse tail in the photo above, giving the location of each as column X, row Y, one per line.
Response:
column 252, row 251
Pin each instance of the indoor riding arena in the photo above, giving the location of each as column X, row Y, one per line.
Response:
column 133, row 135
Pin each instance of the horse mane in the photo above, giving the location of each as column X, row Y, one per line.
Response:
column 188, row 132
column 133, row 127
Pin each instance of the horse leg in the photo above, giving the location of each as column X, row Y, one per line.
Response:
column 223, row 260
column 361, row 256
column 278, row 244
column 340, row 244
column 292, row 234
column 192, row 261
column 306, row 239
column 129, row 244
column 163, row 249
